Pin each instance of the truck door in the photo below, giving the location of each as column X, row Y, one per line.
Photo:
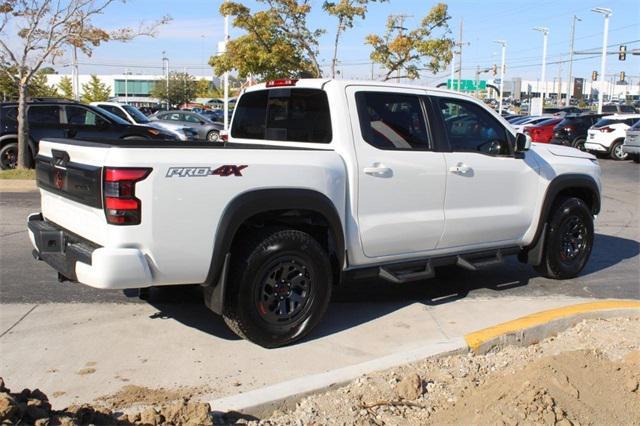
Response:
column 491, row 194
column 401, row 179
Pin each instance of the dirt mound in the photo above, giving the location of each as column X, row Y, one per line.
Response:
column 33, row 408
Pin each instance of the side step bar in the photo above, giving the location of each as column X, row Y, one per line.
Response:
column 474, row 263
column 407, row 273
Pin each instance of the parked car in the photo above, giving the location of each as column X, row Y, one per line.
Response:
column 207, row 130
column 322, row 182
column 530, row 121
column 562, row 112
column 618, row 109
column 516, row 118
column 543, row 131
column 572, row 130
column 135, row 116
column 631, row 145
column 607, row 135
column 61, row 118
column 217, row 115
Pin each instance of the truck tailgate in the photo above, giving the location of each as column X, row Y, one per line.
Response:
column 70, row 182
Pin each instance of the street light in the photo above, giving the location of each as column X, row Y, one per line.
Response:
column 165, row 63
column 545, row 33
column 504, row 53
column 603, row 62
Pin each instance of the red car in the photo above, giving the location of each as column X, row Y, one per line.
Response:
column 542, row 132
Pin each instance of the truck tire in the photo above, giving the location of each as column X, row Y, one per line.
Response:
column 279, row 287
column 569, row 240
column 9, row 156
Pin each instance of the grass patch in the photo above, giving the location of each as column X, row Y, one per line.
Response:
column 18, row 174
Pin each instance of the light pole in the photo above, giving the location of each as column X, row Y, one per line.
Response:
column 573, row 34
column 226, row 75
column 504, row 56
column 603, row 62
column 453, row 71
column 165, row 65
column 545, row 33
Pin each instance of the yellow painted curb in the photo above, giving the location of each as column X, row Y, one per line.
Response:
column 478, row 338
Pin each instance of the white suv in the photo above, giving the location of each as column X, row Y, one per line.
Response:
column 607, row 135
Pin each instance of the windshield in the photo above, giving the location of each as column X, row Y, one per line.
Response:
column 607, row 122
column 134, row 112
column 110, row 116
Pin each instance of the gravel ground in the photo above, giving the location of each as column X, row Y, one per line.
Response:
column 586, row 375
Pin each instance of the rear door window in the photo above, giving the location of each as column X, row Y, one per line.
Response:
column 83, row 117
column 44, row 114
column 288, row 115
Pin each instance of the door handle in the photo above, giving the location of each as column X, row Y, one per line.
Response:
column 460, row 169
column 377, row 170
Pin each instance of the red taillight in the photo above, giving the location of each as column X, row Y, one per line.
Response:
column 282, row 82
column 606, row 129
column 121, row 207
column 224, row 135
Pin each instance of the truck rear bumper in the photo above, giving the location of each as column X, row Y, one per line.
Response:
column 83, row 261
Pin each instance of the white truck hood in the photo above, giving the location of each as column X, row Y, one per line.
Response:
column 564, row 151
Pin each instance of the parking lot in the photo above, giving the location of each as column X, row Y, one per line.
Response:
column 81, row 342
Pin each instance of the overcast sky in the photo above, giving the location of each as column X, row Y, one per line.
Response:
column 197, row 27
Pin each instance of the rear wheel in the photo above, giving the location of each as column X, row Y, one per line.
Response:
column 579, row 144
column 569, row 240
column 279, row 288
column 213, row 136
column 616, row 151
column 9, row 156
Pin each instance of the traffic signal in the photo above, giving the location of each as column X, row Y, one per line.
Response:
column 622, row 75
column 594, row 76
column 622, row 53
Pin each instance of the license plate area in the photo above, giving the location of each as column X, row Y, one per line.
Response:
column 51, row 242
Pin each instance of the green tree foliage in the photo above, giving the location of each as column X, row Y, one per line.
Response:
column 39, row 86
column 95, row 90
column 407, row 53
column 346, row 11
column 277, row 42
column 207, row 89
column 65, row 86
column 182, row 89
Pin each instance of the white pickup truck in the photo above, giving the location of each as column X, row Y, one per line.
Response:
column 321, row 181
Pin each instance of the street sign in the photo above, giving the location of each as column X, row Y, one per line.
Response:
column 467, row 85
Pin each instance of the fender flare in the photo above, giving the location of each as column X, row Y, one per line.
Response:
column 249, row 204
column 14, row 136
column 560, row 183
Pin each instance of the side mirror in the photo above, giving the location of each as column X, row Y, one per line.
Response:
column 523, row 142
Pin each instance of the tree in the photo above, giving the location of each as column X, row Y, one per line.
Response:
column 414, row 51
column 277, row 42
column 95, row 90
column 66, row 87
column 182, row 89
column 346, row 11
column 44, row 29
column 207, row 89
column 39, row 85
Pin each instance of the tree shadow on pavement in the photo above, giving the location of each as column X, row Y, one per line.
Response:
column 358, row 302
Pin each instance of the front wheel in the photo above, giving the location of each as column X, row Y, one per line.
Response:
column 279, row 288
column 213, row 136
column 617, row 153
column 569, row 240
column 9, row 156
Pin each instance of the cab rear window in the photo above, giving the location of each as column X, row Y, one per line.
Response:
column 285, row 114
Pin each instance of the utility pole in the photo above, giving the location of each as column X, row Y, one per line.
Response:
column 559, row 92
column 569, row 80
column 226, row 75
column 453, row 71
column 603, row 61
column 543, row 77
column 372, row 70
column 400, row 27
column 478, row 81
column 126, row 86
column 502, row 70
column 76, row 76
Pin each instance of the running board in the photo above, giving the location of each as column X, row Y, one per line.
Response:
column 474, row 263
column 406, row 274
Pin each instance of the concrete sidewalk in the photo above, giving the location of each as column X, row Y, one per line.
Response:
column 77, row 352
column 18, row 185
